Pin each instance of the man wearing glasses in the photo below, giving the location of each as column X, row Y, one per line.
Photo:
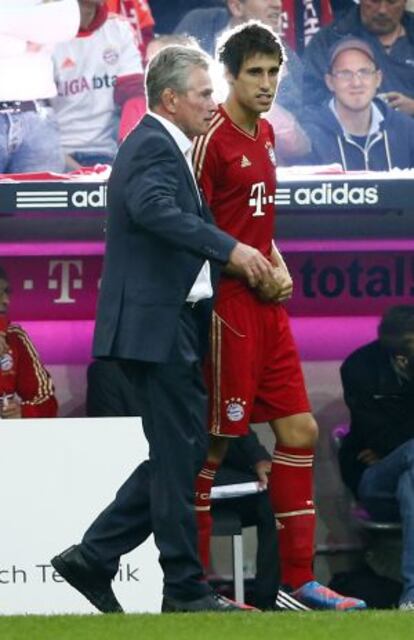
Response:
column 355, row 127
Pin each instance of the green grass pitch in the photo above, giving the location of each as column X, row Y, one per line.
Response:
column 369, row 625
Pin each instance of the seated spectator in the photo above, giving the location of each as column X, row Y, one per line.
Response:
column 29, row 137
column 377, row 456
column 26, row 389
column 389, row 30
column 96, row 73
column 138, row 12
column 356, row 129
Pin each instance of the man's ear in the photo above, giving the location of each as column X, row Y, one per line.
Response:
column 229, row 77
column 379, row 78
column 328, row 82
column 235, row 8
column 169, row 100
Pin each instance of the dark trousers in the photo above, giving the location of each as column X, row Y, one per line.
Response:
column 159, row 495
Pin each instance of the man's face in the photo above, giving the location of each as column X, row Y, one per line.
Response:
column 194, row 109
column 255, row 86
column 405, row 363
column 353, row 80
column 267, row 11
column 381, row 16
column 4, row 296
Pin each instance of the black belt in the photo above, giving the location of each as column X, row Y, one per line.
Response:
column 19, row 106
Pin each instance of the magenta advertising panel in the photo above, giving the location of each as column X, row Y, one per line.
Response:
column 344, row 278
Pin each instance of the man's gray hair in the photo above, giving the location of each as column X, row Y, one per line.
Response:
column 170, row 69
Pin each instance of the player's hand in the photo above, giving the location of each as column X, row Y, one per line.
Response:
column 247, row 262
column 263, row 469
column 10, row 408
column 276, row 288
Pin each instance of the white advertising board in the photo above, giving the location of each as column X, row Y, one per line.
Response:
column 56, row 476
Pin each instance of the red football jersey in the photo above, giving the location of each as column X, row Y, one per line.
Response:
column 237, row 174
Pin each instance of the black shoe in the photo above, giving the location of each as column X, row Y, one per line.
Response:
column 209, row 602
column 72, row 566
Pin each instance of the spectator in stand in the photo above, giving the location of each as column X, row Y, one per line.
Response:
column 96, row 73
column 302, row 19
column 26, row 389
column 29, row 137
column 377, row 456
column 139, row 15
column 356, row 129
column 389, row 30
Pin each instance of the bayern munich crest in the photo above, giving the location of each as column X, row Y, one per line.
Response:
column 235, row 409
column 6, row 362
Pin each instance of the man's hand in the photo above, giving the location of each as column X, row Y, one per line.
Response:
column 10, row 408
column 247, row 262
column 399, row 102
column 263, row 468
column 367, row 456
column 276, row 288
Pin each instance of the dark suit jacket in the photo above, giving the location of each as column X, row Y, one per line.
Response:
column 381, row 408
column 158, row 237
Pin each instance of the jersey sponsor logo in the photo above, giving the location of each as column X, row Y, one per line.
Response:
column 82, row 84
column 245, row 162
column 6, row 362
column 258, row 198
column 110, row 55
column 271, row 152
column 235, row 409
column 328, row 194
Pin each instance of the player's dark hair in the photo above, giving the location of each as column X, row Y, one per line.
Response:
column 396, row 329
column 3, row 274
column 246, row 41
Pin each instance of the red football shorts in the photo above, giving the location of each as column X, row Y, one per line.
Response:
column 253, row 371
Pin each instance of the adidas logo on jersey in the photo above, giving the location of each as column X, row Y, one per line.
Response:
column 245, row 162
column 68, row 63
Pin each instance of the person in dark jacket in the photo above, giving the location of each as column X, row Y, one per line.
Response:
column 389, row 29
column 355, row 128
column 377, row 456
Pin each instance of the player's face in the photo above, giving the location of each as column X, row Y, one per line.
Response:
column 382, row 16
column 4, row 296
column 356, row 91
column 195, row 108
column 255, row 87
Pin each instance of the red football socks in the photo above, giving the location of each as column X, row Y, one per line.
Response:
column 291, row 494
column 204, row 484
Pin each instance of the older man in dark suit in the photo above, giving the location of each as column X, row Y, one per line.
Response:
column 153, row 316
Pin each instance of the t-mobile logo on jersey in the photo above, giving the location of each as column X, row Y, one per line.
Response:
column 258, row 198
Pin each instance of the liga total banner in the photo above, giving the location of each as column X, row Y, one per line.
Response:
column 56, row 476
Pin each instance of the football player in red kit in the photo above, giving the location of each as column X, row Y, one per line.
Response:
column 253, row 370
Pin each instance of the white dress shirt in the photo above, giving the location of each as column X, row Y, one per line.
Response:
column 202, row 287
